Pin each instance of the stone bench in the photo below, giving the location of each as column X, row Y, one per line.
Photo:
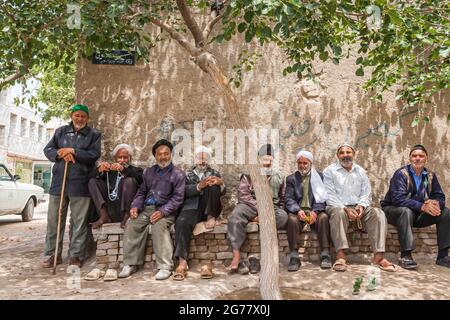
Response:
column 213, row 246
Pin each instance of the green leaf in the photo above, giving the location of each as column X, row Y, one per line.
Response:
column 248, row 16
column 415, row 121
column 323, row 55
column 395, row 18
column 241, row 27
column 360, row 72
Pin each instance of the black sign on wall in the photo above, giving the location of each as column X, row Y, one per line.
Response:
column 119, row 57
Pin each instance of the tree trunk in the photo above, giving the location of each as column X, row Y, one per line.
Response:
column 269, row 276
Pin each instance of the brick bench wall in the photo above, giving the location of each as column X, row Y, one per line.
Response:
column 213, row 246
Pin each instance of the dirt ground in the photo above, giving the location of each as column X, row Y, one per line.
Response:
column 21, row 277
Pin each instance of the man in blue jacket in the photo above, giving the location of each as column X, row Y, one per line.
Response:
column 78, row 144
column 305, row 202
column 415, row 199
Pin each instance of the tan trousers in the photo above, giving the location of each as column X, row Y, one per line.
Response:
column 373, row 222
column 135, row 240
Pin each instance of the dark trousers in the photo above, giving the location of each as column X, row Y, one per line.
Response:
column 209, row 204
column 321, row 226
column 116, row 209
column 405, row 219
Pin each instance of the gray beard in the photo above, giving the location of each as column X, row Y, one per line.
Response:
column 201, row 169
column 304, row 173
column 163, row 165
column 346, row 163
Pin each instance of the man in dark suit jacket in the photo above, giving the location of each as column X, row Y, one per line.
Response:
column 114, row 187
column 305, row 204
column 204, row 186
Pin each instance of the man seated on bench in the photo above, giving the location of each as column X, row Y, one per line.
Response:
column 115, row 186
column 204, row 186
column 157, row 201
column 246, row 210
column 349, row 200
column 415, row 199
column 305, row 203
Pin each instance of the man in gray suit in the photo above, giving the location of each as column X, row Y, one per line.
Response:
column 204, row 186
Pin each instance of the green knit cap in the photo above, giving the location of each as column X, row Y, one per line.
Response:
column 79, row 107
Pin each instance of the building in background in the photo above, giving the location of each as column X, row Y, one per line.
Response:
column 23, row 136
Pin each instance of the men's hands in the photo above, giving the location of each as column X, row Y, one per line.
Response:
column 104, row 166
column 117, row 167
column 312, row 217
column 69, row 158
column 155, row 217
column 255, row 219
column 134, row 212
column 431, row 207
column 64, row 152
column 210, row 181
column 308, row 218
column 302, row 215
column 214, row 181
column 202, row 184
column 352, row 214
column 359, row 210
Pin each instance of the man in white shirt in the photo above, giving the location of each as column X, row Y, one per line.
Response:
column 349, row 200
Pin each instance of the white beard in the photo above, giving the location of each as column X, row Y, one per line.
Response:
column 163, row 165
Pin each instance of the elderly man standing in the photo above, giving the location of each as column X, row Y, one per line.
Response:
column 79, row 145
column 305, row 203
column 415, row 199
column 115, row 186
column 349, row 200
column 204, row 186
column 246, row 210
column 157, row 202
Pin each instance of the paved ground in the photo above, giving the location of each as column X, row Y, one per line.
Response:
column 21, row 247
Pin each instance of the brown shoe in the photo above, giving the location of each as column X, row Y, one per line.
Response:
column 50, row 261
column 75, row 261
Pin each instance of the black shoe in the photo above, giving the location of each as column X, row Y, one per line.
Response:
column 325, row 262
column 445, row 262
column 294, row 264
column 255, row 266
column 408, row 263
column 242, row 268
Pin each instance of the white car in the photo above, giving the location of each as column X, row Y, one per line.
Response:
column 16, row 197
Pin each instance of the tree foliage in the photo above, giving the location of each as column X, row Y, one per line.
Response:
column 402, row 44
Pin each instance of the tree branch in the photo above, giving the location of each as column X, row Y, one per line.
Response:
column 210, row 25
column 191, row 24
column 14, row 77
column 175, row 35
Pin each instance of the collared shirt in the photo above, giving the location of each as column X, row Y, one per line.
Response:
column 418, row 178
column 347, row 187
column 305, row 204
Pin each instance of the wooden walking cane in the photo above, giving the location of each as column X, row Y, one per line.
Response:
column 59, row 217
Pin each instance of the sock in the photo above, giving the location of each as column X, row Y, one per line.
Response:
column 294, row 254
column 406, row 254
column 442, row 253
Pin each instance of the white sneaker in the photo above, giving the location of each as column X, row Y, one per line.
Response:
column 127, row 271
column 163, row 274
